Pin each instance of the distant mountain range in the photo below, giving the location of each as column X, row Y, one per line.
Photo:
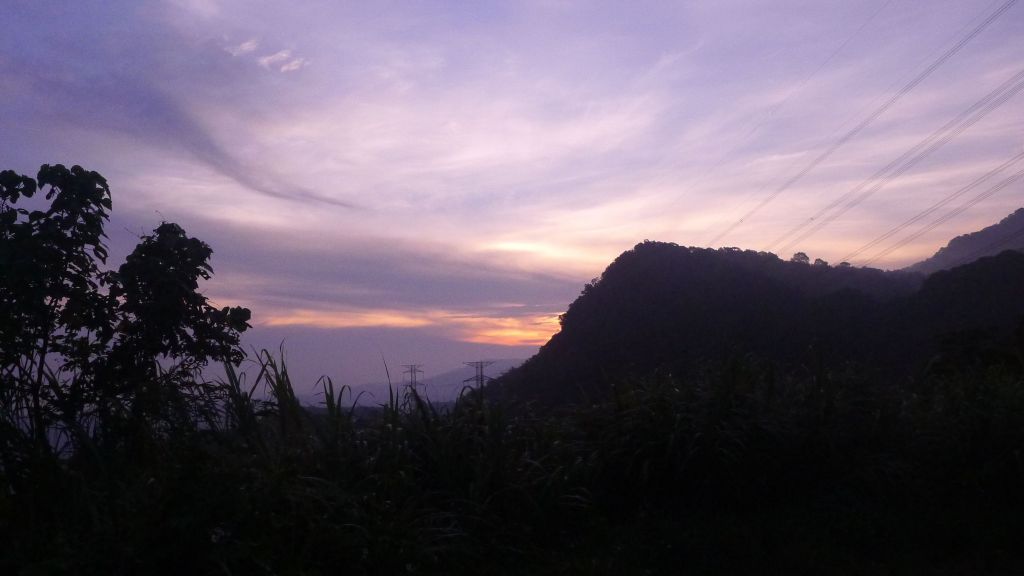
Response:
column 1008, row 234
column 663, row 309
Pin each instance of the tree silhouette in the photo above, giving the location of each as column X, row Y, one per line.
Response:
column 79, row 343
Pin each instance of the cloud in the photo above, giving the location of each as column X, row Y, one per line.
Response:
column 141, row 108
column 481, row 329
column 294, row 64
column 244, row 48
column 274, row 59
column 319, row 269
column 359, row 318
column 282, row 61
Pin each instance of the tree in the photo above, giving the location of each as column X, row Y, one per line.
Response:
column 800, row 258
column 820, row 262
column 50, row 298
column 80, row 345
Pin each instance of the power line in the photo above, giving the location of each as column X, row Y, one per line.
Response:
column 860, row 127
column 907, row 165
column 948, row 216
column 931, row 209
column 989, row 248
column 770, row 113
column 891, row 166
column 921, row 150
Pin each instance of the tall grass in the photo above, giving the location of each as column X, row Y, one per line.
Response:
column 741, row 470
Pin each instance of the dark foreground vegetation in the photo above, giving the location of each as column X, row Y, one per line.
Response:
column 118, row 457
column 735, row 473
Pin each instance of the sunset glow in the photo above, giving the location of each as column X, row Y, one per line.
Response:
column 501, row 330
column 390, row 172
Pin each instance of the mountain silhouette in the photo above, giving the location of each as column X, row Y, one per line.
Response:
column 666, row 309
column 1008, row 234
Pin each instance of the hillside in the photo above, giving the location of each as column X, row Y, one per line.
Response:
column 666, row 309
column 1008, row 234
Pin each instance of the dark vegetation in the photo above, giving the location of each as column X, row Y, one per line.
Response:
column 672, row 310
column 775, row 443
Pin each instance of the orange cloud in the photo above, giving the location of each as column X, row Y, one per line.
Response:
column 510, row 331
column 501, row 330
column 346, row 319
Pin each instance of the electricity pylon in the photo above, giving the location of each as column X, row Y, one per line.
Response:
column 412, row 370
column 479, row 378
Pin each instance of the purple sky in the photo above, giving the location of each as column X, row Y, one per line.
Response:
column 435, row 181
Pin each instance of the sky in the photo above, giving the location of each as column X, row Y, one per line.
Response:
column 434, row 182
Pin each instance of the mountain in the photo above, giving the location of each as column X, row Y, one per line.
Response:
column 1008, row 234
column 666, row 309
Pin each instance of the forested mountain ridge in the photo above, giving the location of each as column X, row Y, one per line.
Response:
column 661, row 308
column 1007, row 234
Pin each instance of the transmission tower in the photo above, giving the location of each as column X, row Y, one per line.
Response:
column 413, row 370
column 479, row 378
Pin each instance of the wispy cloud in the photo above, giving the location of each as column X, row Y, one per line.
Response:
column 433, row 160
column 294, row 64
column 244, row 48
column 275, row 59
column 483, row 329
column 282, row 61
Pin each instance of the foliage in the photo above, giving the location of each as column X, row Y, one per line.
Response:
column 738, row 471
column 667, row 309
column 84, row 350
